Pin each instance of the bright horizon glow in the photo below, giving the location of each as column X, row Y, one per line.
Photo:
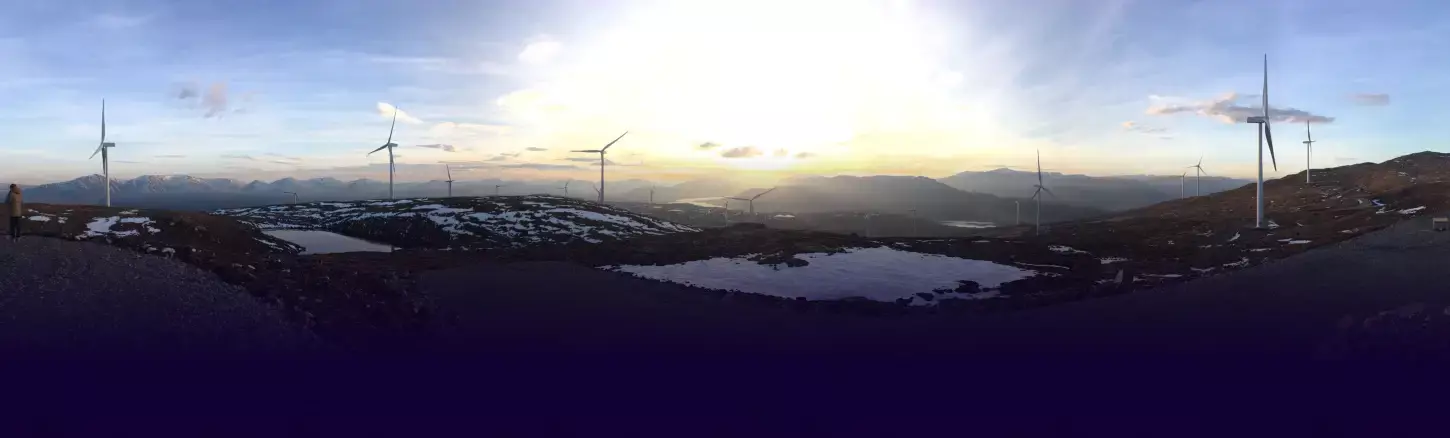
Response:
column 504, row 89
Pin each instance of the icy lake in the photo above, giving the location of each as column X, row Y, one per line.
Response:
column 324, row 242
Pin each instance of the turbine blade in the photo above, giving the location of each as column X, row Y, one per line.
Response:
column 449, row 170
column 1201, row 172
column 395, row 124
column 1039, row 167
column 763, row 193
column 1308, row 134
column 98, row 150
column 1200, row 161
column 594, row 151
column 378, row 149
column 1049, row 191
column 606, row 147
column 1269, row 137
column 103, row 120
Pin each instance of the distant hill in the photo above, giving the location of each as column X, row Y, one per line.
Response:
column 699, row 188
column 1114, row 193
column 901, row 195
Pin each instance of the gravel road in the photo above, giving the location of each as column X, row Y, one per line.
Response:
column 67, row 297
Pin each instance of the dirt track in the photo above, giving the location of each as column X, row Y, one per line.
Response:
column 81, row 298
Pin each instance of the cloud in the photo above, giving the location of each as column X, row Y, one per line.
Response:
column 213, row 102
column 1226, row 109
column 280, row 157
column 742, row 152
column 804, row 155
column 119, row 21
column 1371, row 99
column 582, row 160
column 540, row 166
column 170, row 156
column 1132, row 126
column 708, row 145
column 443, row 128
column 441, row 147
column 536, row 149
column 540, row 52
column 239, row 157
column 386, row 110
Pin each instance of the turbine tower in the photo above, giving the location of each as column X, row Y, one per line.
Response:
column 1308, row 151
column 495, row 188
column 449, row 180
column 1181, row 178
column 651, row 195
column 1037, row 194
column 1198, row 174
column 294, row 196
column 1265, row 135
column 752, row 199
column 389, row 146
column 601, row 151
column 105, row 155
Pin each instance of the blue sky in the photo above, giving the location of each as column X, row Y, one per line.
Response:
column 267, row 89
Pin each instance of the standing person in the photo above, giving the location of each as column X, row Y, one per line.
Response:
column 14, row 207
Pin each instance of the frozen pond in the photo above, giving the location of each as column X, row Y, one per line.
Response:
column 324, row 242
column 968, row 224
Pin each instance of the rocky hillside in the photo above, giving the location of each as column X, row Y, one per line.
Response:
column 462, row 223
column 153, row 231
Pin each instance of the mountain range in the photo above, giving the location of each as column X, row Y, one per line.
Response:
column 1112, row 193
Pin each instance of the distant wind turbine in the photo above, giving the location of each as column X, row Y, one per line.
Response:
column 1019, row 211
column 1308, row 151
column 601, row 152
column 449, row 180
column 496, row 187
column 1265, row 134
column 651, row 195
column 1037, row 194
column 105, row 155
column 727, row 211
column 1198, row 174
column 294, row 196
column 752, row 199
column 389, row 146
column 566, row 188
column 1181, row 178
column 596, row 190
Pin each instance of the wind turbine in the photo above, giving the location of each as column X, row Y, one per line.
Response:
column 1181, row 178
column 566, row 188
column 389, row 146
column 294, row 196
column 596, row 190
column 449, row 180
column 1308, row 151
column 1265, row 134
column 601, row 151
column 727, row 212
column 651, row 195
column 1019, row 211
column 105, row 155
column 752, row 199
column 1198, row 174
column 495, row 188
column 1037, row 194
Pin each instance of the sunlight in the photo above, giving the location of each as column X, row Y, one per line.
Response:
column 804, row 75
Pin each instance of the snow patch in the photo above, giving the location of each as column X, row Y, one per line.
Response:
column 1111, row 260
column 40, row 218
column 1243, row 262
column 1413, row 210
column 1161, row 275
column 1041, row 266
column 1062, row 249
column 881, row 274
column 1235, row 237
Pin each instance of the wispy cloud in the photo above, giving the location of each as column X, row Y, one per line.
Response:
column 120, row 21
column 387, row 110
column 1133, row 126
column 170, row 156
column 213, row 101
column 1371, row 99
column 239, row 157
column 708, row 145
column 742, row 152
column 442, row 147
column 540, row 166
column 536, row 149
column 804, row 155
column 541, row 51
column 1226, row 109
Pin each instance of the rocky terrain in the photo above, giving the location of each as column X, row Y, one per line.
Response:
column 474, row 223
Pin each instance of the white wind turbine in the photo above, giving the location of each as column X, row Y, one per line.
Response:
column 1198, row 174
column 389, row 146
column 446, row 168
column 496, row 187
column 601, row 151
column 1037, row 194
column 752, row 199
column 1181, row 178
column 566, row 188
column 105, row 155
column 294, row 196
column 1308, row 151
column 651, row 195
column 1265, row 135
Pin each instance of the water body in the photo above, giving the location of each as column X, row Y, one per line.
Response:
column 324, row 242
column 709, row 202
column 968, row 224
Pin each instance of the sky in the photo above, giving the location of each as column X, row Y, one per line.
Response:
column 753, row 89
